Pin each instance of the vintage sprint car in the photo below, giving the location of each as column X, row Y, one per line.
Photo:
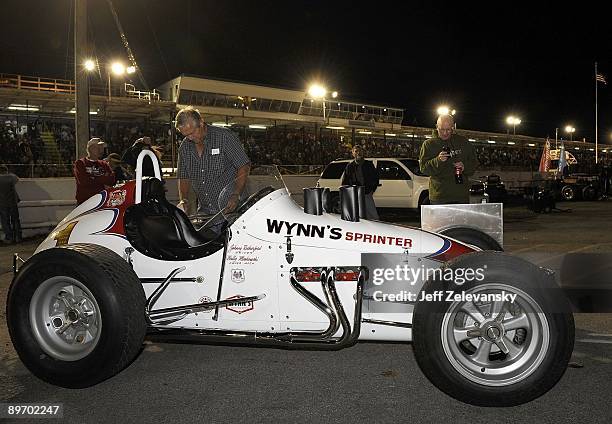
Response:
column 127, row 263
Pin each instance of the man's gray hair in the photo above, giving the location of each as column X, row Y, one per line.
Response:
column 442, row 118
column 187, row 114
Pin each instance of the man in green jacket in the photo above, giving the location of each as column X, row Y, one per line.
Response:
column 442, row 158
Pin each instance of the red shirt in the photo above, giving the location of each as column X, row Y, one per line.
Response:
column 91, row 177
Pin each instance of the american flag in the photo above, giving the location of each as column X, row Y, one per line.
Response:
column 545, row 159
column 600, row 78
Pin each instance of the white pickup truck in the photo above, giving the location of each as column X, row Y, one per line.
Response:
column 402, row 185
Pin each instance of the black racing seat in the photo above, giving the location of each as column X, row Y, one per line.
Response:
column 158, row 229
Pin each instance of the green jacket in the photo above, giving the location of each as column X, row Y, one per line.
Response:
column 442, row 185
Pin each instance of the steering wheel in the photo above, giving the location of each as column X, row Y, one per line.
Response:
column 253, row 198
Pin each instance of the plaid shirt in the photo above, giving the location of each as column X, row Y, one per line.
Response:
column 215, row 169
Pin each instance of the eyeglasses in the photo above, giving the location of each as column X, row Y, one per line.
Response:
column 445, row 129
column 182, row 131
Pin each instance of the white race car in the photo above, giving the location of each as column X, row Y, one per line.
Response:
column 127, row 262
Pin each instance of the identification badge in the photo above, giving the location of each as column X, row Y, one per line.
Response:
column 215, row 151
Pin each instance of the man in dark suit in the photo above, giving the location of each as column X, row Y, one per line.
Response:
column 362, row 172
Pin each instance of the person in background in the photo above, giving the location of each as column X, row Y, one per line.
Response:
column 114, row 160
column 9, row 210
column 363, row 173
column 92, row 173
column 130, row 156
column 448, row 159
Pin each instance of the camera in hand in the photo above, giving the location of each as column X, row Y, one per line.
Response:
column 458, row 175
column 458, row 172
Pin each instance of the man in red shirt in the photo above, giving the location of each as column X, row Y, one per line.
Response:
column 92, row 173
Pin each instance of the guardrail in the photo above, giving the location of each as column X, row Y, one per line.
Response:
column 36, row 83
column 22, row 82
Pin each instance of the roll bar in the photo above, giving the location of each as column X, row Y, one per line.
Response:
column 143, row 153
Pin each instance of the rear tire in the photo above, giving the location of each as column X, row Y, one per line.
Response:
column 473, row 237
column 76, row 315
column 495, row 353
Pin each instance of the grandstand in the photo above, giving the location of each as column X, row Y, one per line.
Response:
column 277, row 125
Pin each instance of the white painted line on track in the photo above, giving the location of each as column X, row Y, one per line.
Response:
column 597, row 341
column 526, row 249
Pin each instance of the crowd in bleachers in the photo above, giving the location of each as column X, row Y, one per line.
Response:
column 23, row 146
column 290, row 147
column 20, row 144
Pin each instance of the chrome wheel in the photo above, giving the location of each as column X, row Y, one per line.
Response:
column 65, row 318
column 495, row 343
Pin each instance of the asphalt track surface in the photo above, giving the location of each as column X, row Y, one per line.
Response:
column 370, row 382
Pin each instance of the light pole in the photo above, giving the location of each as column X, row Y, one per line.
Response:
column 514, row 121
column 570, row 130
column 317, row 91
column 118, row 69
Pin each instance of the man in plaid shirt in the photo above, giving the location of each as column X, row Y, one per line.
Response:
column 210, row 158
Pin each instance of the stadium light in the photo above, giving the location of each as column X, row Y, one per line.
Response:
column 570, row 130
column 317, row 91
column 443, row 110
column 118, row 68
column 89, row 65
column 514, row 121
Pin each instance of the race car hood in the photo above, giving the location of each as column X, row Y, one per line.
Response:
column 277, row 218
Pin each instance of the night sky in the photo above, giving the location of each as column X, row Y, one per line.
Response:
column 532, row 59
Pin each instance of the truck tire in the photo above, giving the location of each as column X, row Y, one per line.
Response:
column 568, row 193
column 494, row 353
column 589, row 193
column 76, row 315
column 423, row 199
column 474, row 237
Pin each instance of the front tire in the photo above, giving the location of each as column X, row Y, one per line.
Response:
column 76, row 315
column 495, row 353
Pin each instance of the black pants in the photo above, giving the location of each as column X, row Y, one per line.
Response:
column 11, row 226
